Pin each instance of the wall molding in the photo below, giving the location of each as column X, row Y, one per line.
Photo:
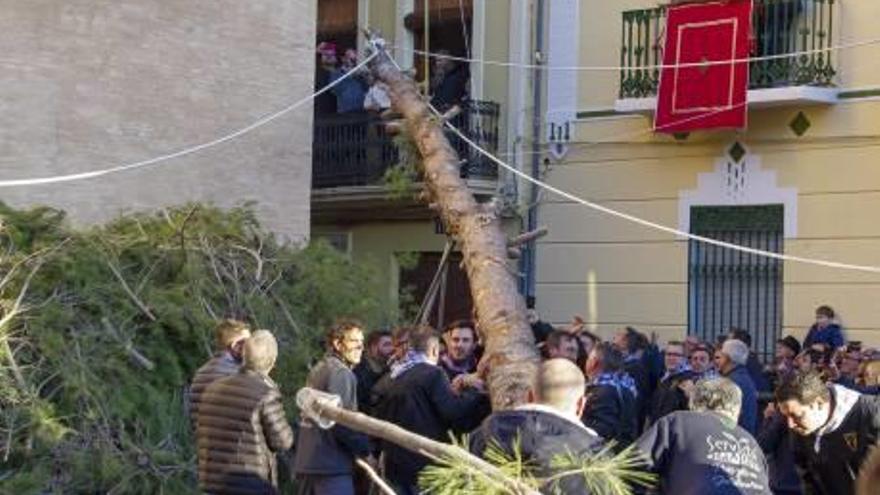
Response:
column 736, row 182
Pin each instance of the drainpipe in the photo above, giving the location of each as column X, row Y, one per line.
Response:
column 527, row 265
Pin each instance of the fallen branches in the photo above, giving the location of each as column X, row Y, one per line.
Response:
column 117, row 319
column 140, row 304
column 139, row 358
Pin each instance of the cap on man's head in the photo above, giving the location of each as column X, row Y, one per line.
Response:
column 736, row 350
column 791, row 343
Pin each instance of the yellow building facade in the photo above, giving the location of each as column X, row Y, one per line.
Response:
column 801, row 180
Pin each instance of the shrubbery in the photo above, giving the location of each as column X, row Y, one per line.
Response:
column 114, row 321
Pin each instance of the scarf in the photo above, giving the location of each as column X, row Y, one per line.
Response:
column 465, row 367
column 708, row 374
column 403, row 365
column 620, row 381
column 681, row 368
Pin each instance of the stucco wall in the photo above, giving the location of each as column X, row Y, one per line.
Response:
column 91, row 84
column 616, row 273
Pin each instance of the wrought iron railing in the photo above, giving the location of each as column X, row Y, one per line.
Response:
column 354, row 149
column 730, row 288
column 778, row 27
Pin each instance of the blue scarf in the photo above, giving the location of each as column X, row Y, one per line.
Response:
column 620, row 381
column 708, row 374
column 411, row 359
column 681, row 368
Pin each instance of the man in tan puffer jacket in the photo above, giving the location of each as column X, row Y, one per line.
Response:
column 241, row 426
column 230, row 335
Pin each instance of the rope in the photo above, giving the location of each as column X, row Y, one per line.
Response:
column 464, row 33
column 647, row 223
column 613, row 68
column 188, row 151
column 428, row 302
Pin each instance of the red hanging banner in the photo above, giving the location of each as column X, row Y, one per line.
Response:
column 706, row 93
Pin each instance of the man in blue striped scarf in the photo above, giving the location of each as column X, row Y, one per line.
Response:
column 611, row 409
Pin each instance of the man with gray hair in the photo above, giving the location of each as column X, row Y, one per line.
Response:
column 704, row 450
column 547, row 427
column 731, row 362
column 241, row 425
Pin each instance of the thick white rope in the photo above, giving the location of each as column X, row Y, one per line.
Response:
column 617, row 68
column 188, row 151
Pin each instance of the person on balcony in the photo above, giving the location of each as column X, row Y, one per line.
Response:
column 325, row 103
column 449, row 79
column 350, row 92
column 376, row 99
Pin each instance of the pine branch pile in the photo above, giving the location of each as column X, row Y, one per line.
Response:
column 102, row 328
column 604, row 473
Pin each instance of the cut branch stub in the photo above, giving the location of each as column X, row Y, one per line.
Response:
column 511, row 356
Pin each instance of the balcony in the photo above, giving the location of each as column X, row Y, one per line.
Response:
column 778, row 27
column 352, row 152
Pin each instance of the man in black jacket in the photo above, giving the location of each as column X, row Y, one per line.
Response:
column 835, row 429
column 373, row 365
column 670, row 395
column 611, row 395
column 546, row 428
column 416, row 396
column 703, row 451
column 324, row 461
column 638, row 364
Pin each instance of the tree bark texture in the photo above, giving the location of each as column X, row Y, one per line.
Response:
column 510, row 352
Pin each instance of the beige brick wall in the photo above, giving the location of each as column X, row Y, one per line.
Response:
column 91, row 84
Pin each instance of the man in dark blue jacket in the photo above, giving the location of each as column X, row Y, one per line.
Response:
column 703, row 451
column 753, row 365
column 731, row 361
column 546, row 428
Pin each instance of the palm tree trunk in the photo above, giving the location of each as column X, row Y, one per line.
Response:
column 510, row 355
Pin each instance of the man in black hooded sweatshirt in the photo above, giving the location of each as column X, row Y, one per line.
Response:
column 835, row 429
column 547, row 427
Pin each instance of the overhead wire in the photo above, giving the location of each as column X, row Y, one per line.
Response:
column 189, row 150
column 648, row 67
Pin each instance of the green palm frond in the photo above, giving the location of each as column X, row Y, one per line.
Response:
column 604, row 472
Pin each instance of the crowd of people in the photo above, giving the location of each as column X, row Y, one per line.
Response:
column 361, row 92
column 706, row 417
